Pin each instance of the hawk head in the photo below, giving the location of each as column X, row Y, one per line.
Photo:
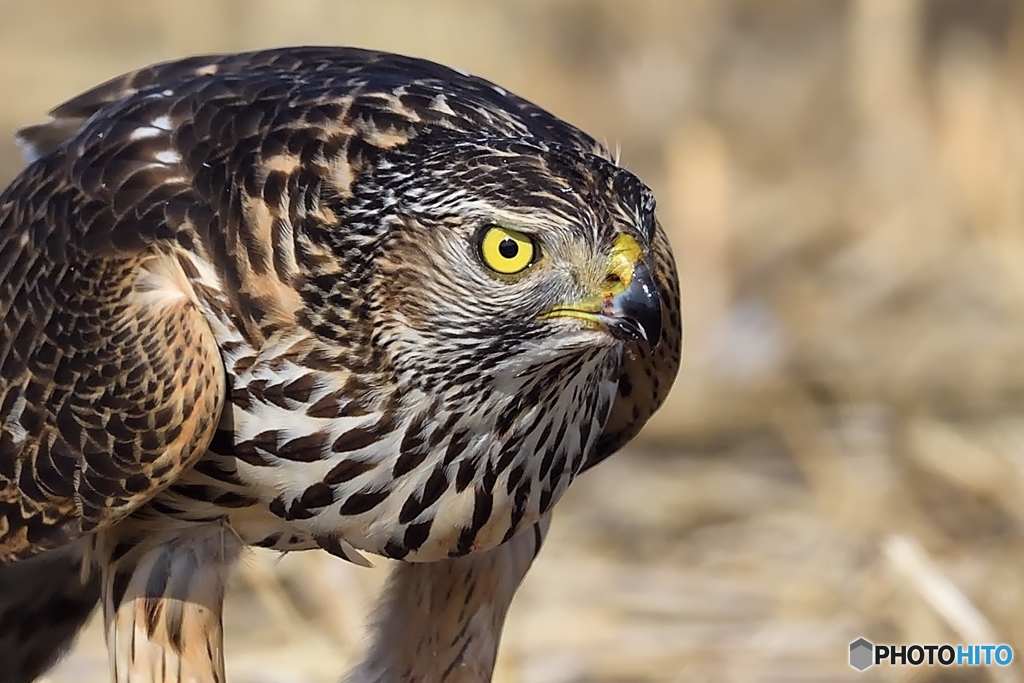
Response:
column 498, row 258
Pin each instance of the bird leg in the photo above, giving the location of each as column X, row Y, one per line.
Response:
column 442, row 621
column 162, row 602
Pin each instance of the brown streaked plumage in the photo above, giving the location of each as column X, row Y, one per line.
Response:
column 316, row 298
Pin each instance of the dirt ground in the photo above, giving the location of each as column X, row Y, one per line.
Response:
column 843, row 454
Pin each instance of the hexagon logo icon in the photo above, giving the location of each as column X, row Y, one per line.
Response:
column 861, row 654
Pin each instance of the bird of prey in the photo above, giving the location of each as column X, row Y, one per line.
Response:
column 308, row 298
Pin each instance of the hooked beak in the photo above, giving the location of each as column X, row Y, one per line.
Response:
column 630, row 307
column 634, row 314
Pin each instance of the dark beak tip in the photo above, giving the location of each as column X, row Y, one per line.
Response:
column 640, row 309
column 649, row 322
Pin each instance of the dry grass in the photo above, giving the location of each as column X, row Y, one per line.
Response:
column 844, row 453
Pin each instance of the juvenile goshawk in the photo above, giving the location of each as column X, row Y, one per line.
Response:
column 309, row 298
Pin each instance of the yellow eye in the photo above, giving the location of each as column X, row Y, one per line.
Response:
column 506, row 251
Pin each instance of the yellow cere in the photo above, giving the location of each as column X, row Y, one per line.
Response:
column 626, row 253
column 507, row 251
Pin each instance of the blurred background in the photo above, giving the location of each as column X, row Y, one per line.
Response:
column 843, row 455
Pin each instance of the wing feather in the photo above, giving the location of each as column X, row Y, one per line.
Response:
column 111, row 381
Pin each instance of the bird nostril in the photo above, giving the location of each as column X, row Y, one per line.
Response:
column 612, row 279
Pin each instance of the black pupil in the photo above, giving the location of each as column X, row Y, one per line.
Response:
column 508, row 248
